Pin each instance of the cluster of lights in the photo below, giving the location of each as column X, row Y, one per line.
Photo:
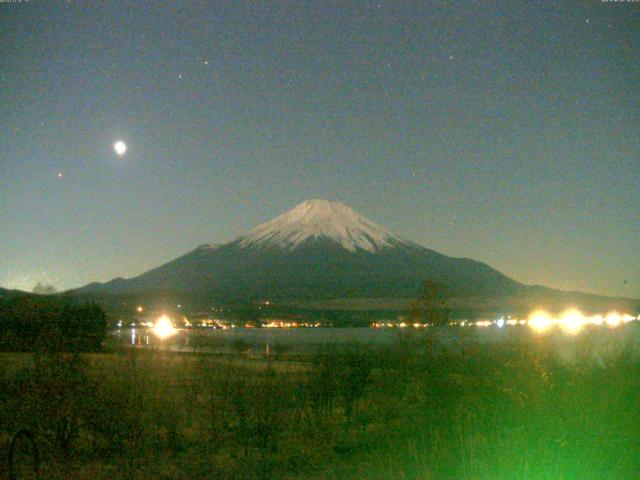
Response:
column 396, row 324
column 214, row 323
column 572, row 321
column 284, row 324
column 500, row 322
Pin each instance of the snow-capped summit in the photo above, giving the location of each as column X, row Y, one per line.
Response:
column 322, row 219
column 322, row 250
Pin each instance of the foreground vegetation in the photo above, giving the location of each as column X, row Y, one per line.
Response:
column 409, row 410
column 39, row 322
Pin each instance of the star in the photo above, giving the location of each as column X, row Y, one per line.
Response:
column 59, row 175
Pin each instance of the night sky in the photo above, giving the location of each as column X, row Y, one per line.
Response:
column 508, row 132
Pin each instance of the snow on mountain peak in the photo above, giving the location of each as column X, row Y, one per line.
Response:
column 322, row 219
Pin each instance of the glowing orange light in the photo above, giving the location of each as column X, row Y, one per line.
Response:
column 483, row 323
column 628, row 318
column 540, row 321
column 163, row 327
column 572, row 321
column 597, row 319
column 613, row 319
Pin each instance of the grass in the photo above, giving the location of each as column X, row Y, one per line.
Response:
column 514, row 410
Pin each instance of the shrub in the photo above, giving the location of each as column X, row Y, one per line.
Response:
column 40, row 323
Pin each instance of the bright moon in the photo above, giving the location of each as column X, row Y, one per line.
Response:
column 120, row 147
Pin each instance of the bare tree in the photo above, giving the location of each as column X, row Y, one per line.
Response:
column 430, row 307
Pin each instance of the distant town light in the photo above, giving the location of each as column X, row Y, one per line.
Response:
column 163, row 327
column 572, row 321
column 540, row 321
column 613, row 319
column 627, row 318
column 484, row 323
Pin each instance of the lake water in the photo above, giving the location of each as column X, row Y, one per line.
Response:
column 267, row 341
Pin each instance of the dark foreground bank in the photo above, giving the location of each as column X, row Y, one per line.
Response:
column 513, row 410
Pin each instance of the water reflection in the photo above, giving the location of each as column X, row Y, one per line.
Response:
column 269, row 341
column 138, row 337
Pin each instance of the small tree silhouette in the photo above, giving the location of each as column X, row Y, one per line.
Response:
column 430, row 307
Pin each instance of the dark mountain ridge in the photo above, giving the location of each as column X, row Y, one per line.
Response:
column 322, row 251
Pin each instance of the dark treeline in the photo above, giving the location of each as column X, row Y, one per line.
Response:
column 33, row 323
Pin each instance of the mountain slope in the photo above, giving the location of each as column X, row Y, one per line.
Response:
column 323, row 250
column 318, row 249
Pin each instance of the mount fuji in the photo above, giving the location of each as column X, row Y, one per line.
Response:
column 318, row 250
column 320, row 219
